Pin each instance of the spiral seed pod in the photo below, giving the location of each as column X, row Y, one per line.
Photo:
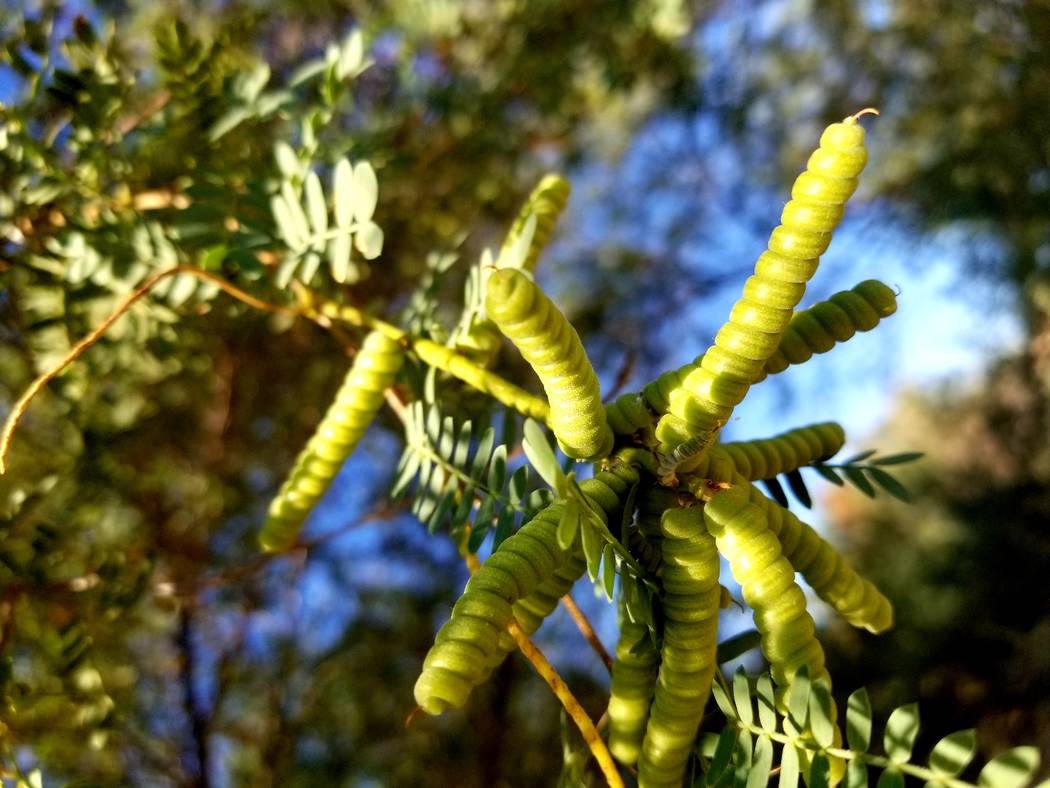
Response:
column 551, row 346
column 715, row 466
column 346, row 421
column 811, row 331
column 479, row 339
column 829, row 574
column 767, row 581
column 818, row 328
column 628, row 414
column 533, row 610
column 464, row 649
column 631, row 693
column 657, row 394
column 766, row 459
column 546, row 203
column 687, row 657
column 707, row 395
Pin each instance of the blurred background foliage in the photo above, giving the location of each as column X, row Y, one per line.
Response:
column 143, row 638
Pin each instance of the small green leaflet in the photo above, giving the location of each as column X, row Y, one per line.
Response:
column 742, row 697
column 541, row 455
column 901, row 730
column 569, row 524
column 954, row 752
column 858, row 721
column 1011, row 769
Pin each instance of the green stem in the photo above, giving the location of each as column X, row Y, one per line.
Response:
column 428, row 451
column 881, row 761
column 447, row 360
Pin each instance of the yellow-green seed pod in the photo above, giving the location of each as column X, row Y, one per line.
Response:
column 767, row 459
column 687, row 657
column 479, row 340
column 767, row 581
column 854, row 597
column 811, row 331
column 468, row 647
column 707, row 395
column 346, row 421
column 820, row 327
column 628, row 414
column 551, row 346
column 631, row 692
column 546, row 203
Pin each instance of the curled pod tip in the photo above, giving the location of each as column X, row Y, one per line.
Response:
column 553, row 349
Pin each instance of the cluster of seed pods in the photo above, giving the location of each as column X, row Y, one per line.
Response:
column 705, row 507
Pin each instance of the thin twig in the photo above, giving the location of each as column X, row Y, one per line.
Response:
column 561, row 690
column 34, row 388
column 444, row 358
column 622, row 376
column 587, row 630
column 587, row 728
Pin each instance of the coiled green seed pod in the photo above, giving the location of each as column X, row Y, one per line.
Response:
column 480, row 339
column 551, row 346
column 767, row 581
column 820, row 327
column 707, row 395
column 628, row 414
column 768, row 458
column 631, row 693
column 854, row 597
column 465, row 648
column 546, row 203
column 811, row 331
column 349, row 416
column 690, row 639
column 657, row 394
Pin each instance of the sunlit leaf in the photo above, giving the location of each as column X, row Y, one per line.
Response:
column 742, row 697
column 1011, row 769
column 722, row 699
column 343, row 193
column 608, row 571
column 954, row 752
column 368, row 240
column 592, row 549
column 540, row 454
column 569, row 524
column 798, row 699
column 856, row 774
column 789, row 770
column 858, row 720
column 766, row 699
column 901, row 729
column 366, row 191
column 821, row 711
column 316, row 207
column 761, row 763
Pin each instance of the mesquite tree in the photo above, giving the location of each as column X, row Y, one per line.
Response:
column 643, row 499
